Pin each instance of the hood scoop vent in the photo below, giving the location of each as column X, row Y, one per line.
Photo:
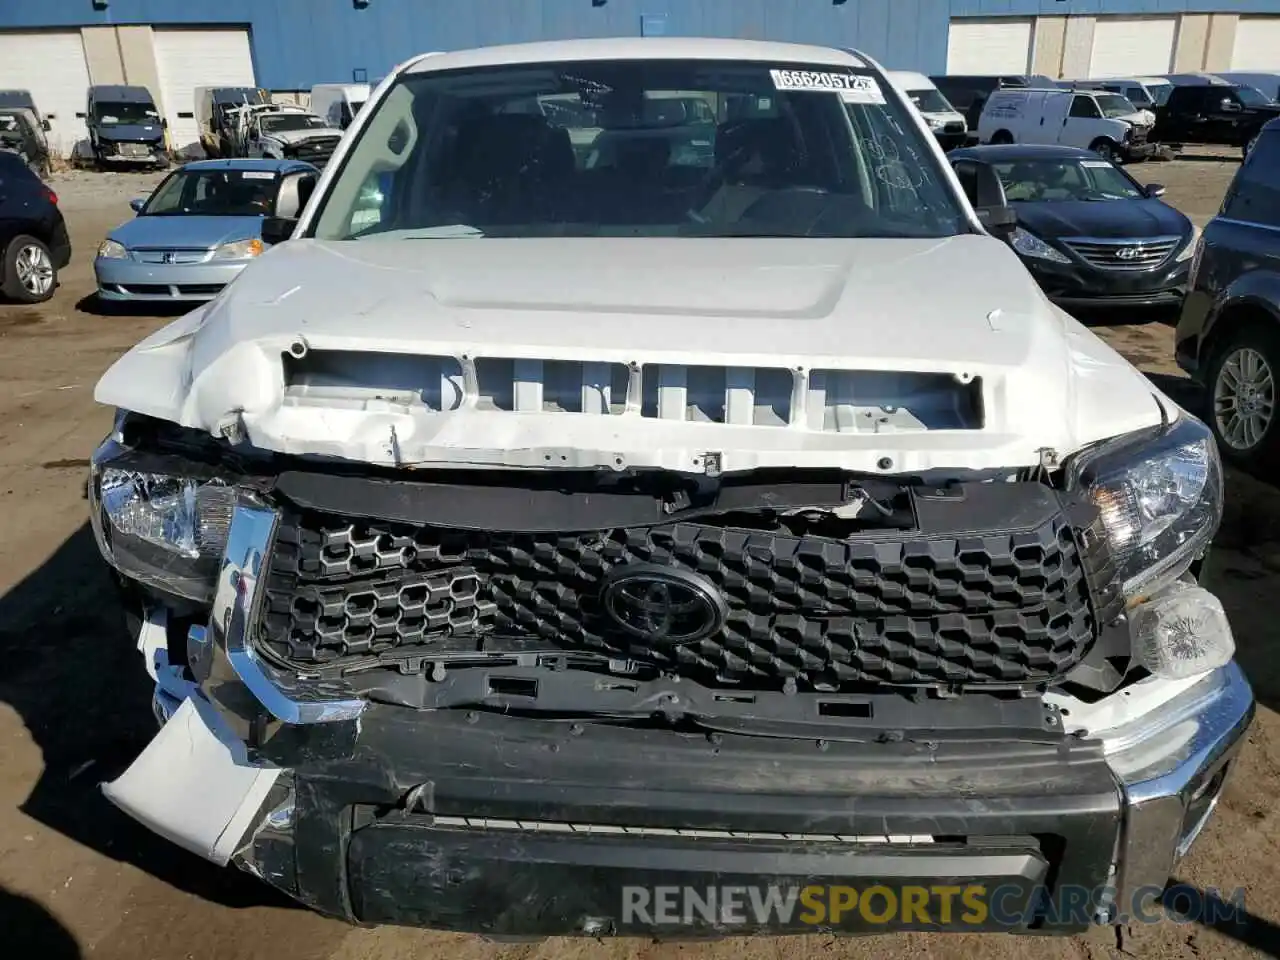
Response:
column 817, row 400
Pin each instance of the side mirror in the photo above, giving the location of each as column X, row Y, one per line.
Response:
column 295, row 190
column 982, row 186
column 137, row 203
column 277, row 229
column 1154, row 190
column 1230, row 106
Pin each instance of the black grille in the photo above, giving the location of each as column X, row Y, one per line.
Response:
column 885, row 608
column 316, row 152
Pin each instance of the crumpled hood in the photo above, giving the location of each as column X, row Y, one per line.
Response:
column 301, row 136
column 694, row 355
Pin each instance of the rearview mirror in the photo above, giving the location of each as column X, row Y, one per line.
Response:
column 137, row 203
column 1154, row 190
column 277, row 229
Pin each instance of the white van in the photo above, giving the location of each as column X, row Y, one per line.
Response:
column 1105, row 123
column 947, row 123
column 339, row 103
column 1145, row 93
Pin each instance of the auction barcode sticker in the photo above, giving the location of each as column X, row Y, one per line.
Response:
column 853, row 88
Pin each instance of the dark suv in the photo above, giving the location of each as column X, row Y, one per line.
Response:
column 1229, row 334
column 1219, row 114
column 34, row 244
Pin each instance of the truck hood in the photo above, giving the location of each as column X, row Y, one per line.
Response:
column 696, row 355
column 301, row 136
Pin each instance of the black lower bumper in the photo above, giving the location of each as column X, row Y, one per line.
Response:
column 510, row 826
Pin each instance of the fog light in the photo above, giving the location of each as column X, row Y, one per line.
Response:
column 1180, row 632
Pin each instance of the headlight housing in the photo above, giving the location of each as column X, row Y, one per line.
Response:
column 165, row 530
column 1029, row 245
column 1189, row 251
column 112, row 250
column 238, row 250
column 1160, row 497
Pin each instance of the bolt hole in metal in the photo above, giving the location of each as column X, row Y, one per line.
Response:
column 34, row 270
column 1244, row 398
column 298, row 349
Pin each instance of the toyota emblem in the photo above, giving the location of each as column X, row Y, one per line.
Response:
column 662, row 604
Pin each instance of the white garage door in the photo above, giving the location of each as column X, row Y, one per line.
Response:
column 51, row 64
column 1125, row 46
column 1257, row 45
column 186, row 59
column 1000, row 45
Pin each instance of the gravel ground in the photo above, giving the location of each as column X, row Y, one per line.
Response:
column 79, row 879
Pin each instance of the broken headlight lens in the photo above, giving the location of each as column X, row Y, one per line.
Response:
column 166, row 531
column 1160, row 500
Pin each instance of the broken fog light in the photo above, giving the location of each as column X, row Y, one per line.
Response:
column 1180, row 632
column 1160, row 500
column 165, row 531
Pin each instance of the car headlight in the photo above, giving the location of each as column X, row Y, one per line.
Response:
column 1160, row 500
column 112, row 250
column 238, row 250
column 1189, row 251
column 164, row 530
column 935, row 123
column 1029, row 245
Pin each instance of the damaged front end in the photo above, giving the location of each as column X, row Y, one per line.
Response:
column 437, row 697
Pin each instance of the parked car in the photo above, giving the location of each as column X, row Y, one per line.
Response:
column 969, row 94
column 1228, row 337
column 34, row 244
column 23, row 100
column 1105, row 123
column 20, row 133
column 281, row 132
column 947, row 124
column 1268, row 84
column 214, row 108
column 1090, row 234
column 125, row 127
column 497, row 455
column 1146, row 93
column 197, row 230
column 339, row 103
column 1218, row 114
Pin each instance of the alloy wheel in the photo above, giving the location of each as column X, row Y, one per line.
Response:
column 34, row 270
column 1244, row 399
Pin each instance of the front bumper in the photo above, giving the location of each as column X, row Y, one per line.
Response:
column 131, row 281
column 515, row 826
column 1081, row 285
column 131, row 155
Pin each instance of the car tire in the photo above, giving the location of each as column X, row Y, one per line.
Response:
column 29, row 274
column 1001, row 137
column 1106, row 149
column 1249, row 357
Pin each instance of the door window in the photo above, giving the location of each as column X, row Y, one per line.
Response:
column 1084, row 107
column 1254, row 196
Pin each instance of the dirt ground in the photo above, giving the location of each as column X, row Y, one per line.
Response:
column 79, row 879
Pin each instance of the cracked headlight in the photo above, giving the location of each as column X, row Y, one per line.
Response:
column 1160, row 497
column 1029, row 245
column 164, row 530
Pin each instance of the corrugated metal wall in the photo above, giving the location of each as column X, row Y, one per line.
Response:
column 298, row 43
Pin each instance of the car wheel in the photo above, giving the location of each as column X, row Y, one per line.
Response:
column 1243, row 380
column 1105, row 149
column 29, row 273
column 1002, row 137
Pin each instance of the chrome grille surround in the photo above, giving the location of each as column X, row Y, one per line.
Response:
column 1124, row 253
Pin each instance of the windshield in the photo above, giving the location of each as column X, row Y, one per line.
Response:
column 122, row 113
column 1160, row 93
column 214, row 193
column 639, row 148
column 1252, row 97
column 290, row 121
column 1114, row 105
column 1137, row 96
column 1060, row 180
column 929, row 101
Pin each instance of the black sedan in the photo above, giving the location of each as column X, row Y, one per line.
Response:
column 1090, row 234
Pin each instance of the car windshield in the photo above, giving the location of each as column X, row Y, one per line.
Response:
column 639, row 148
column 214, row 193
column 1114, row 105
column 929, row 100
column 1060, row 180
column 131, row 113
column 290, row 121
column 1160, row 93
column 1252, row 97
column 1137, row 96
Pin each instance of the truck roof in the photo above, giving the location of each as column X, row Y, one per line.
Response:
column 120, row 93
